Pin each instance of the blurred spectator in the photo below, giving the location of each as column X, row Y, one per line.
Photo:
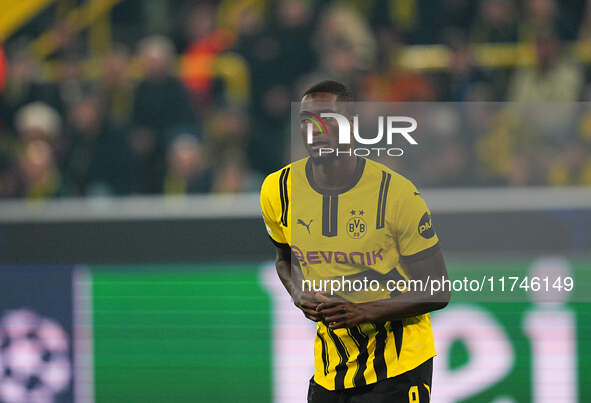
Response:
column 96, row 155
column 540, row 15
column 465, row 79
column 496, row 148
column 117, row 86
column 345, row 44
column 555, row 78
column 496, row 22
column 402, row 16
column 38, row 121
column 281, row 52
column 438, row 16
column 161, row 109
column 233, row 175
column 205, row 42
column 571, row 166
column 33, row 169
column 274, row 68
column 227, row 127
column 73, row 82
column 160, row 100
column 24, row 86
column 187, row 169
column 447, row 147
column 36, row 174
column 256, row 48
column 293, row 25
column 270, row 136
column 563, row 16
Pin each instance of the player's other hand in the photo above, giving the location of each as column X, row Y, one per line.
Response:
column 338, row 313
column 308, row 302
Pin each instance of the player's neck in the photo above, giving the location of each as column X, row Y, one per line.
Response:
column 337, row 173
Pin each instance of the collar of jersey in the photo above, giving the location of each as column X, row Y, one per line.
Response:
column 333, row 192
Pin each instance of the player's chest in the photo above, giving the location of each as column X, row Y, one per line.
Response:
column 338, row 220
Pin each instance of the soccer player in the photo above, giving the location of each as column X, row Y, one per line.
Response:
column 350, row 218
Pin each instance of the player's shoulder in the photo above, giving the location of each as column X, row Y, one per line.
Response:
column 396, row 181
column 275, row 181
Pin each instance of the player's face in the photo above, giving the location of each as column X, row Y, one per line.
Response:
column 325, row 132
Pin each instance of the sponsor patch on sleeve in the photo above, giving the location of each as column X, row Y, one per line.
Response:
column 425, row 227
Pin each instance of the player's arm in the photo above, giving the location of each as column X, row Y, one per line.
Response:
column 291, row 276
column 287, row 268
column 421, row 258
column 339, row 314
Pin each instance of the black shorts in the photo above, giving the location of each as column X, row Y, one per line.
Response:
column 411, row 386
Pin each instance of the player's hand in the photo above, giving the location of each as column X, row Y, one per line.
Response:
column 338, row 313
column 307, row 302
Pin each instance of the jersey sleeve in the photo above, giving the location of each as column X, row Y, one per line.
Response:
column 271, row 209
column 414, row 230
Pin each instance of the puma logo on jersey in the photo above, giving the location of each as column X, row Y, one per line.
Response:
column 300, row 221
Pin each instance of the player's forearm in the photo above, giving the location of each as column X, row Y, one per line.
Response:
column 413, row 302
column 405, row 305
column 288, row 276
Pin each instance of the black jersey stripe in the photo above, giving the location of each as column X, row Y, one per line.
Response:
column 286, row 195
column 334, row 214
column 361, row 340
column 385, row 200
column 380, row 196
column 330, row 215
column 283, row 195
column 284, row 218
column 379, row 360
column 420, row 255
column 326, row 215
column 341, row 368
column 324, row 353
column 398, row 330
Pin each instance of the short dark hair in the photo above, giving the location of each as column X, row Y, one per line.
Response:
column 332, row 87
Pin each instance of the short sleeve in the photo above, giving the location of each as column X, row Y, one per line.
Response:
column 271, row 210
column 415, row 234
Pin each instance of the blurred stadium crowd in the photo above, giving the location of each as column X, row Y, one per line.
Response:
column 194, row 96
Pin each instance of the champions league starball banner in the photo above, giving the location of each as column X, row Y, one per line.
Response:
column 45, row 334
column 36, row 334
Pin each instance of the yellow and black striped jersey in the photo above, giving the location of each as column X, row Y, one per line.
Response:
column 365, row 231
